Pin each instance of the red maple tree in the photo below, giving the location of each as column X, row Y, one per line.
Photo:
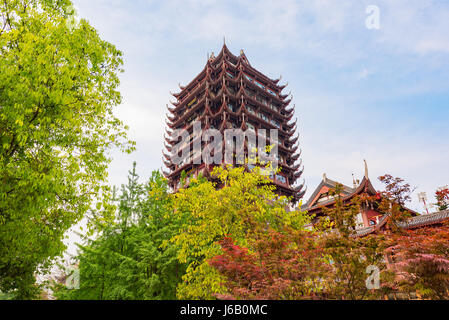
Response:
column 331, row 263
column 283, row 265
column 420, row 259
column 442, row 197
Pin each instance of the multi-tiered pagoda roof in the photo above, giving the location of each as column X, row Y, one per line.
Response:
column 230, row 93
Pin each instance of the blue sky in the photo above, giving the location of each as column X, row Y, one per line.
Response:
column 380, row 95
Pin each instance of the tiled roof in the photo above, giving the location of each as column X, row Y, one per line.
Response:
column 414, row 222
column 365, row 186
column 425, row 219
column 330, row 184
column 367, row 230
column 363, row 231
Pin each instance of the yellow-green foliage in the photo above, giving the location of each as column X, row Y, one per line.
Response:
column 58, row 88
column 244, row 205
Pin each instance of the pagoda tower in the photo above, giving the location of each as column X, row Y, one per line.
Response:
column 230, row 93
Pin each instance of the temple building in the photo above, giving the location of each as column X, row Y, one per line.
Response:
column 370, row 219
column 230, row 93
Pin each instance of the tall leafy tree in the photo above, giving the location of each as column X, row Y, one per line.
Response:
column 58, row 88
column 243, row 206
column 126, row 260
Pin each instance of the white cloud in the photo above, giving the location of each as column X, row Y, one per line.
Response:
column 363, row 74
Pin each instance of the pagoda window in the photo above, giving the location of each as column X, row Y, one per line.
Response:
column 259, row 84
column 232, row 107
column 216, row 89
column 271, row 92
column 250, row 93
column 250, row 109
column 250, row 126
column 259, row 98
column 274, row 107
column 281, row 178
column 276, row 123
column 263, row 116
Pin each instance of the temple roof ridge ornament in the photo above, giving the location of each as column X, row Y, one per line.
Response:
column 366, row 169
column 354, row 181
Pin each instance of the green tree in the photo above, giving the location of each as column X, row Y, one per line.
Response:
column 58, row 87
column 243, row 206
column 126, row 260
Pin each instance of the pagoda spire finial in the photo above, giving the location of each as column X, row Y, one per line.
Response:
column 366, row 169
column 224, row 40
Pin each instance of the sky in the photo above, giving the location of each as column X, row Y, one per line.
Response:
column 359, row 93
